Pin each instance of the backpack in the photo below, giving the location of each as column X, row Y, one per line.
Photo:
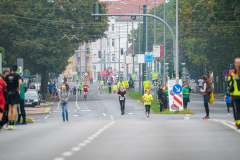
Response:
column 130, row 82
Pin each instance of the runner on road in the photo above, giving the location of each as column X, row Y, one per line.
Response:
column 147, row 98
column 13, row 81
column 5, row 115
column 85, row 87
column 63, row 96
column 80, row 88
column 50, row 89
column 122, row 95
column 234, row 83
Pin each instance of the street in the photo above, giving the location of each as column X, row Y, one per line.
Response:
column 97, row 130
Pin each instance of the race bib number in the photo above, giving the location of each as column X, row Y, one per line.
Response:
column 85, row 87
column 148, row 101
column 122, row 98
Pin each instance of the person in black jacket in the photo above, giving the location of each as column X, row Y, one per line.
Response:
column 162, row 98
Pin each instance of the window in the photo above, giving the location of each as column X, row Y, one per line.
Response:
column 113, row 41
column 112, row 27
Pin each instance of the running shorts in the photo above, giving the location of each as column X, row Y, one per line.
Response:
column 50, row 92
column 13, row 99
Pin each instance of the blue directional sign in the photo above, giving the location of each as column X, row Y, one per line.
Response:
column 76, row 80
column 83, row 73
column 177, row 88
column 148, row 57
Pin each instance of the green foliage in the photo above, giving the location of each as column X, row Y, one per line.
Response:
column 35, row 31
column 2, row 50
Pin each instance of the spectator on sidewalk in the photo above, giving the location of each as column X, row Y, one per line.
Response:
column 2, row 100
column 186, row 94
column 205, row 95
column 50, row 89
column 162, row 97
column 5, row 115
column 63, row 96
column 166, row 92
column 14, row 86
column 54, row 89
column 21, row 109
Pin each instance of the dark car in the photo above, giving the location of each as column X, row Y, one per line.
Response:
column 31, row 98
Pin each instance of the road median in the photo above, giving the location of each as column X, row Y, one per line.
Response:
column 31, row 111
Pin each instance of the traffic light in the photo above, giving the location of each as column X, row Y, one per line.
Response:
column 88, row 50
column 121, row 51
column 99, row 54
column 97, row 10
column 181, row 69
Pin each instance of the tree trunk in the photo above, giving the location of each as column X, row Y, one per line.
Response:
column 44, row 82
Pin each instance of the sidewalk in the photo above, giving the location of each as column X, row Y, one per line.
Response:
column 30, row 111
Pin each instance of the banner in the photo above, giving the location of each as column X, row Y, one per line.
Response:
column 126, row 84
column 101, row 82
column 154, row 75
column 133, row 76
column 157, row 51
column 114, row 87
column 146, row 85
column 141, row 58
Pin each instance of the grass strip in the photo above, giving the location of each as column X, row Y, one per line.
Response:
column 155, row 106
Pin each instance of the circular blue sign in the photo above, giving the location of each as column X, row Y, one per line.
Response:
column 225, row 73
column 177, row 88
column 83, row 73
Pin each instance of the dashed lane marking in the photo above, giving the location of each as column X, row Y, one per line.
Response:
column 104, row 114
column 85, row 110
column 76, row 102
column 84, row 143
column 46, row 116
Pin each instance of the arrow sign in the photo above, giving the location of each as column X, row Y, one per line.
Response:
column 177, row 89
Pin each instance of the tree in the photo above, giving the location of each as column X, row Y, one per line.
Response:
column 38, row 32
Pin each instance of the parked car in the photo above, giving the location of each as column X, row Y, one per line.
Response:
column 31, row 98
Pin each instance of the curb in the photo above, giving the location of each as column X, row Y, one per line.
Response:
column 46, row 111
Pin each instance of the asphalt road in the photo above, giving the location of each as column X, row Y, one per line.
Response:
column 96, row 130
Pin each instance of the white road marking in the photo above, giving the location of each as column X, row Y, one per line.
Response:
column 66, row 154
column 84, row 143
column 77, row 101
column 111, row 117
column 75, row 149
column 46, row 116
column 104, row 114
column 59, row 158
column 186, row 118
column 58, row 105
column 85, row 110
column 75, row 115
column 57, row 111
column 133, row 113
column 226, row 123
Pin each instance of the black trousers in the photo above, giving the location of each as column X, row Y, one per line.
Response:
column 228, row 107
column 110, row 89
column 122, row 104
column 161, row 106
column 5, row 115
column 147, row 108
column 22, row 110
column 185, row 102
column 236, row 109
column 206, row 109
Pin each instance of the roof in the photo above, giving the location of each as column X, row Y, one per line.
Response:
column 135, row 9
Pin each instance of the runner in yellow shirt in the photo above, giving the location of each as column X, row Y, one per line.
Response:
column 147, row 98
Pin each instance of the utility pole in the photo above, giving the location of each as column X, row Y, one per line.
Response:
column 101, row 57
column 177, row 67
column 127, row 49
column 155, row 66
column 139, row 41
column 133, row 46
column 146, row 43
column 119, row 53
column 144, row 47
column 86, row 59
column 164, row 43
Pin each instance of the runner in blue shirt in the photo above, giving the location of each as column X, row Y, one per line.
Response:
column 228, row 100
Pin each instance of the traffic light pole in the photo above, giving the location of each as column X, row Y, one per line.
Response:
column 119, row 53
column 164, row 43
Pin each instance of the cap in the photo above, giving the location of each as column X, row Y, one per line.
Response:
column 14, row 67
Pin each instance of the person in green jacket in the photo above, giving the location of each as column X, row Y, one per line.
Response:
column 186, row 93
column 121, row 83
column 81, row 88
column 166, row 92
column 21, row 110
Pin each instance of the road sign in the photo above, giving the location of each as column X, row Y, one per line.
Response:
column 86, row 74
column 83, row 73
column 76, row 80
column 83, row 76
column 175, row 100
column 157, row 51
column 148, row 57
column 230, row 66
column 177, row 88
column 225, row 72
column 154, row 75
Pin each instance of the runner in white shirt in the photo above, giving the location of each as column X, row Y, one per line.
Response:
column 200, row 84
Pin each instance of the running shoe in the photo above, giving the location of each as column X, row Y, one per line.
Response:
column 206, row 117
column 147, row 118
column 5, row 127
column 14, row 128
column 24, row 123
column 10, row 127
column 145, row 113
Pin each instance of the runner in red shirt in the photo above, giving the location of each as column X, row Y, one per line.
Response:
column 2, row 100
column 85, row 89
